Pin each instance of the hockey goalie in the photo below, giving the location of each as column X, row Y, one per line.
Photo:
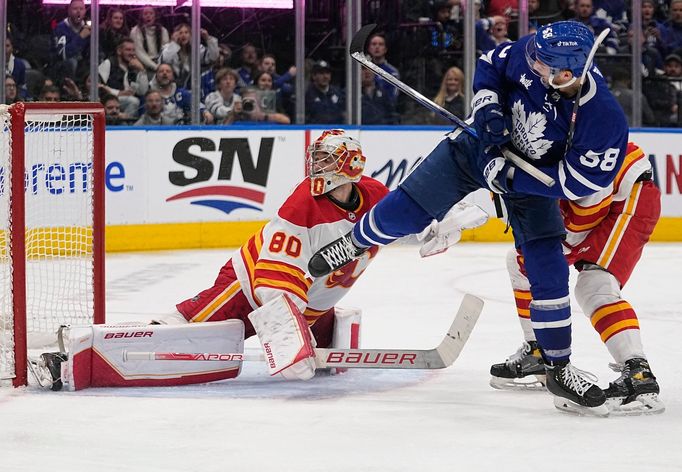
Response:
column 263, row 289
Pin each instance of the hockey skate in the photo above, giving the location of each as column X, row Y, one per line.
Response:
column 636, row 391
column 575, row 390
column 333, row 256
column 50, row 364
column 523, row 370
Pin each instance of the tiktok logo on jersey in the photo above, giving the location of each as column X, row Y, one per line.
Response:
column 209, row 181
column 528, row 131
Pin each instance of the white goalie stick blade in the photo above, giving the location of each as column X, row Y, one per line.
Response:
column 437, row 358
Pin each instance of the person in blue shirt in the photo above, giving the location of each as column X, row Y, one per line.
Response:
column 524, row 97
column 377, row 50
column 15, row 67
column 672, row 37
column 71, row 40
column 377, row 107
column 324, row 103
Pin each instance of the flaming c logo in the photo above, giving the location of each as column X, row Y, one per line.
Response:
column 346, row 275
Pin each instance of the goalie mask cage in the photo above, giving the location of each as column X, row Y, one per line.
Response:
column 52, row 226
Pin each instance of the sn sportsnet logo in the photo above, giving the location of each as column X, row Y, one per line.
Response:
column 210, row 178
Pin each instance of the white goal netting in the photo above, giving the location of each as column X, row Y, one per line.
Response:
column 59, row 209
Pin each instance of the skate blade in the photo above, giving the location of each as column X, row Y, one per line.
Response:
column 567, row 405
column 645, row 404
column 531, row 382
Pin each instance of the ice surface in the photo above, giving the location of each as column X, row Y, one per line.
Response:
column 372, row 420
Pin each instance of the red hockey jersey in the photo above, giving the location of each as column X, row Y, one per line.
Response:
column 276, row 258
column 584, row 214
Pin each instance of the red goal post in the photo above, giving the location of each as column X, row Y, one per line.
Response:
column 51, row 225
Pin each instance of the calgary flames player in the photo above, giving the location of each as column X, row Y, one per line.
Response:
column 606, row 234
column 263, row 289
column 274, row 261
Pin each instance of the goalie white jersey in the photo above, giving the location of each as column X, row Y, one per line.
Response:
column 275, row 260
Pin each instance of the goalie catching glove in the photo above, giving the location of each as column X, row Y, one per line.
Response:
column 440, row 235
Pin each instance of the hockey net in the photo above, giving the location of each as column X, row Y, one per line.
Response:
column 51, row 226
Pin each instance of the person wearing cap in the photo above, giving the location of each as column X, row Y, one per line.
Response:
column 324, row 103
column 672, row 68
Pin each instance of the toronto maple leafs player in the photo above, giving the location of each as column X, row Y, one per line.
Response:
column 524, row 97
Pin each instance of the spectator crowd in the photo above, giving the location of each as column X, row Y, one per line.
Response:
column 144, row 70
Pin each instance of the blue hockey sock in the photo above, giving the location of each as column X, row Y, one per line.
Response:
column 396, row 215
column 550, row 310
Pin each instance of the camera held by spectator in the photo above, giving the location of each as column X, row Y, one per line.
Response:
column 259, row 106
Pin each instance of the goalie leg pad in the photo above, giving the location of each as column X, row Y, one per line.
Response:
column 98, row 354
column 347, row 323
column 286, row 339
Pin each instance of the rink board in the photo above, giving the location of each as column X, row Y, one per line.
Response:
column 194, row 187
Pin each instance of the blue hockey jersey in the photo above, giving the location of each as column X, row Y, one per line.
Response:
column 541, row 120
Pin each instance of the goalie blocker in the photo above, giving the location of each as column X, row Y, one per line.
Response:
column 169, row 355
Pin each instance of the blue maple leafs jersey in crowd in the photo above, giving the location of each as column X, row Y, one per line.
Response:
column 541, row 121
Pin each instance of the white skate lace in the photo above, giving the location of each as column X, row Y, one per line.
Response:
column 578, row 380
column 522, row 352
column 340, row 253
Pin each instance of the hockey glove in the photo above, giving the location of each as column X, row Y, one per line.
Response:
column 492, row 127
column 498, row 173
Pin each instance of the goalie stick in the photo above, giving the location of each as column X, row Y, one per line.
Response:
column 444, row 355
column 357, row 52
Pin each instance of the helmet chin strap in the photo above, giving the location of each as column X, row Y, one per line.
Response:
column 551, row 83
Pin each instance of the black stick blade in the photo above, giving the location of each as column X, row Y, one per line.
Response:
column 360, row 39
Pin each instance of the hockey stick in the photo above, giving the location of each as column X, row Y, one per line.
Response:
column 588, row 65
column 357, row 52
column 442, row 356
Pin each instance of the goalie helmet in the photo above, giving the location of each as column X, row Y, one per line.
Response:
column 333, row 160
column 564, row 45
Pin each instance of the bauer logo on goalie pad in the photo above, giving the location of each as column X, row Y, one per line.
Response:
column 129, row 334
column 269, row 355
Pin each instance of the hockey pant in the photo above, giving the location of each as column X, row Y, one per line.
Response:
column 226, row 301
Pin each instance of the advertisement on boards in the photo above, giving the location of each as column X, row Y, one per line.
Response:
column 196, row 176
column 665, row 153
column 188, row 175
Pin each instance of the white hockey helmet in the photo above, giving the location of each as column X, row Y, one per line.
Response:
column 333, row 160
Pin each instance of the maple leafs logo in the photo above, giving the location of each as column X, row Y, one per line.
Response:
column 528, row 132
